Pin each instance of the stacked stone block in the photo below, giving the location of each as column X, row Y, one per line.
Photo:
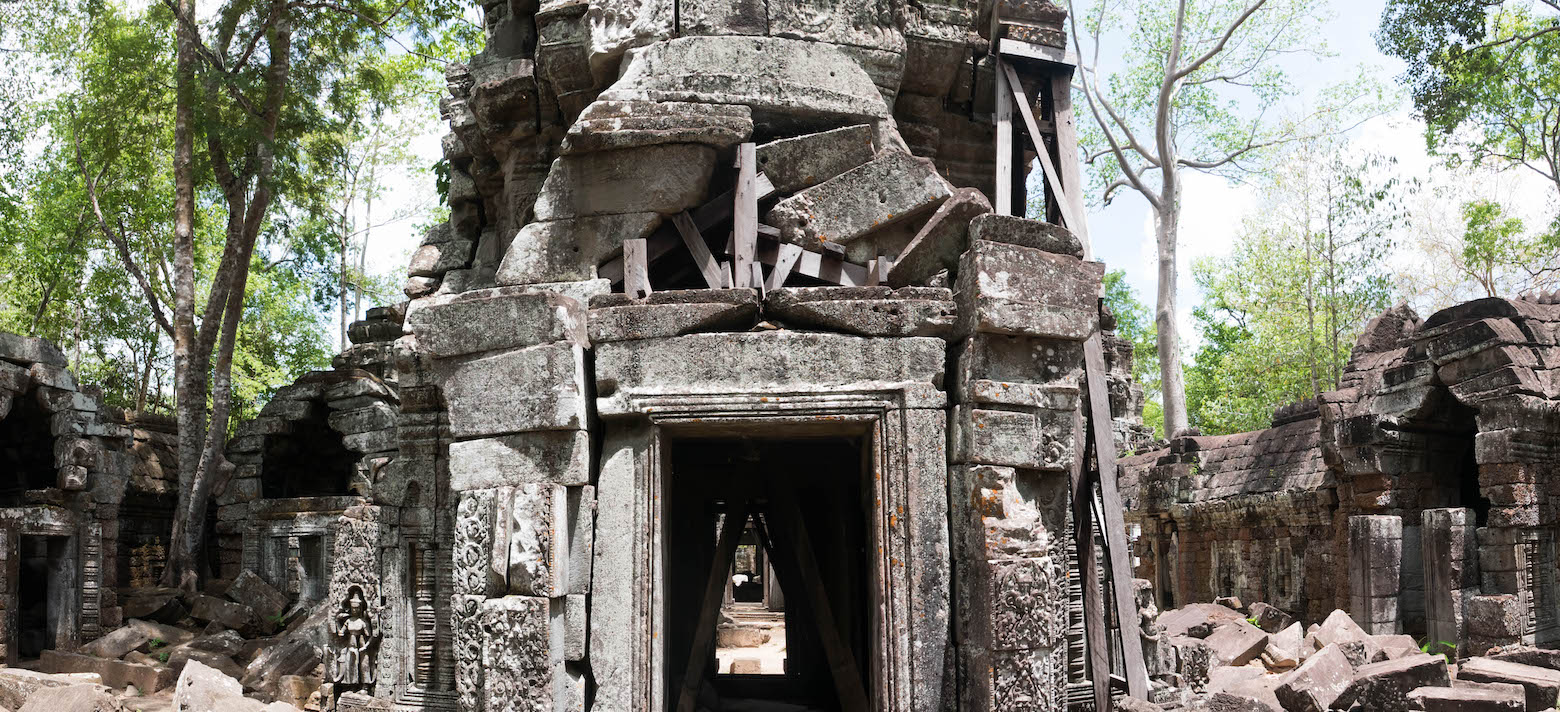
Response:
column 509, row 366
column 1376, row 572
column 1451, row 571
column 1023, row 313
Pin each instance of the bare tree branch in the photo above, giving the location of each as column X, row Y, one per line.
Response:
column 1217, row 47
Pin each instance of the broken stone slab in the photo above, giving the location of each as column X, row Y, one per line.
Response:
column 800, row 162
column 204, row 689
column 1024, row 232
column 1260, row 688
column 936, row 247
column 1270, row 619
column 72, row 698
column 570, row 249
column 783, row 80
column 619, row 317
column 17, row 685
column 894, row 187
column 26, row 350
column 1337, row 628
column 1541, row 685
column 181, row 656
column 662, row 179
column 1385, row 685
column 436, row 259
column 209, row 609
column 492, row 319
column 114, row 673
column 537, row 388
column 258, row 594
column 297, row 690
column 1021, row 291
column 290, row 656
column 117, row 642
column 1237, row 643
column 1317, row 682
column 556, row 456
column 1183, row 620
column 612, row 125
column 865, row 311
column 1455, row 699
column 1528, row 655
column 227, row 642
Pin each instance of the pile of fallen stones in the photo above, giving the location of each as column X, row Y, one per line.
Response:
column 237, row 647
column 1226, row 657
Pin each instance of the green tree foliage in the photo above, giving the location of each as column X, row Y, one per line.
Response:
column 1484, row 75
column 1135, row 325
column 1280, row 314
column 178, row 191
column 1499, row 255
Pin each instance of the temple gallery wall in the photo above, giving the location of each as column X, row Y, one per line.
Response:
column 736, row 381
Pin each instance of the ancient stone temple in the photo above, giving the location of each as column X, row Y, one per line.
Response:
column 717, row 275
column 87, row 494
column 1419, row 497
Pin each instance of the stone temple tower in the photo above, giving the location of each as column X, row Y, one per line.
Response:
column 725, row 277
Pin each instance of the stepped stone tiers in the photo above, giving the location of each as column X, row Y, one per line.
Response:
column 1420, row 496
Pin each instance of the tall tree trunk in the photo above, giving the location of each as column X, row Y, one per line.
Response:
column 189, row 367
column 1172, row 383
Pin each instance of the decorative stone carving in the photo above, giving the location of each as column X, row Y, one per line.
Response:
column 516, row 656
column 1029, row 681
column 1029, row 603
column 465, row 615
column 473, row 542
column 356, row 638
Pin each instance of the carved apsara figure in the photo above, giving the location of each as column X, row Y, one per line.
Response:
column 355, row 635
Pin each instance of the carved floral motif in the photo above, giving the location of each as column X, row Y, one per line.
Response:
column 473, row 543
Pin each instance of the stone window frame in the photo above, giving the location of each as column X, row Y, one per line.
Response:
column 882, row 418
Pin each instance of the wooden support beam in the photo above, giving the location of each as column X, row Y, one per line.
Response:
column 757, row 281
column 1067, row 150
column 706, row 217
column 1096, row 637
column 785, row 260
column 842, row 664
column 636, row 272
column 709, row 611
column 702, row 257
column 744, row 216
column 1003, row 205
column 1113, row 527
column 1070, row 214
column 826, row 267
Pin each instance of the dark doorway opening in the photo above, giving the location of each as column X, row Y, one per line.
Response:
column 311, row 565
column 805, row 506
column 26, row 451
column 310, row 461
column 42, row 590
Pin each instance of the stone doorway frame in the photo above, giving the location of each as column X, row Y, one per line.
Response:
column 50, row 522
column 903, row 445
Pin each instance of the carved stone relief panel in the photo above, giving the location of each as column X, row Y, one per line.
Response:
column 516, row 655
column 473, row 543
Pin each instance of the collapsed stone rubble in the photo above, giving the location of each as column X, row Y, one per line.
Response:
column 1213, row 657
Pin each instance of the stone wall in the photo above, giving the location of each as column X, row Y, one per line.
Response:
column 1446, row 420
column 68, row 464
